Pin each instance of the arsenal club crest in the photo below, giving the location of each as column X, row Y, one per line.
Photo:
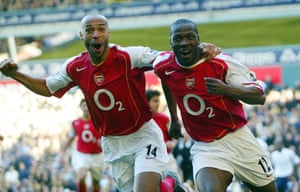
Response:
column 190, row 82
column 99, row 78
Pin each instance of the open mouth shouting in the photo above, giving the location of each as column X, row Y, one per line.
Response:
column 96, row 47
column 185, row 54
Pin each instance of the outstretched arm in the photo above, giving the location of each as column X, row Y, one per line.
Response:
column 68, row 143
column 37, row 85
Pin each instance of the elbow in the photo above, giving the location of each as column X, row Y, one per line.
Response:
column 260, row 97
column 48, row 95
column 44, row 92
column 258, row 100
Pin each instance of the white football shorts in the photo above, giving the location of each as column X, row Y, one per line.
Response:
column 92, row 162
column 129, row 155
column 238, row 153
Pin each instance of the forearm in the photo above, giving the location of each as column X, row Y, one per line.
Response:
column 171, row 103
column 67, row 145
column 249, row 95
column 36, row 85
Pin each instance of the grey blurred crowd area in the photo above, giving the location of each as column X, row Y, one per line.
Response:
column 11, row 5
column 33, row 129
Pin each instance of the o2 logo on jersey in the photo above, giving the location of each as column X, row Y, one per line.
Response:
column 202, row 105
column 112, row 101
column 87, row 136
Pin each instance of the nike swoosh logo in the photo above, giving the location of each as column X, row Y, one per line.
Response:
column 80, row 69
column 169, row 72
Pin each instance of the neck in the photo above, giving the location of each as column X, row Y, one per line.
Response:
column 97, row 61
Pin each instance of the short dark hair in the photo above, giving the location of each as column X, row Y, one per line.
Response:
column 183, row 21
column 152, row 93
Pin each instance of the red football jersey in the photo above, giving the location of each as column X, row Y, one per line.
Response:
column 114, row 91
column 206, row 117
column 88, row 138
column 163, row 122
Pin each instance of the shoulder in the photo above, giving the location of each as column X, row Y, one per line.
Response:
column 230, row 61
column 162, row 59
column 133, row 50
column 76, row 122
column 76, row 60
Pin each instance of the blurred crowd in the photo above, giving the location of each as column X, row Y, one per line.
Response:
column 33, row 129
column 12, row 5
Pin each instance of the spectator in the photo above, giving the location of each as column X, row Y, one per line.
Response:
column 284, row 160
column 12, row 179
column 23, row 172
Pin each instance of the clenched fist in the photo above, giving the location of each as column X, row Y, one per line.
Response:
column 8, row 67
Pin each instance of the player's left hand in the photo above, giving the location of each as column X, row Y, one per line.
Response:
column 209, row 50
column 215, row 86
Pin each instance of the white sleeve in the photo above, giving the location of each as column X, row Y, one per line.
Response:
column 296, row 158
column 238, row 74
column 141, row 56
column 59, row 80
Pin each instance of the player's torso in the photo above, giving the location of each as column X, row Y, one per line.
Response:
column 113, row 91
column 88, row 138
column 205, row 115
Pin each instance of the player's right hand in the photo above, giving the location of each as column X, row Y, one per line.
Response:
column 8, row 67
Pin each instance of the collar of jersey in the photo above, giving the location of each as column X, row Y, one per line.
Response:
column 192, row 66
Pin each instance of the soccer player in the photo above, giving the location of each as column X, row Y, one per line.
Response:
column 208, row 94
column 88, row 154
column 285, row 161
column 112, row 80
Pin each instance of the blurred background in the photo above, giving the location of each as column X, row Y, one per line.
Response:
column 41, row 35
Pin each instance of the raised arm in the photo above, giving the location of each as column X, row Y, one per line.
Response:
column 37, row 85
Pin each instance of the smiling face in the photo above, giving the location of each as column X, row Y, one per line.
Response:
column 95, row 34
column 184, row 41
